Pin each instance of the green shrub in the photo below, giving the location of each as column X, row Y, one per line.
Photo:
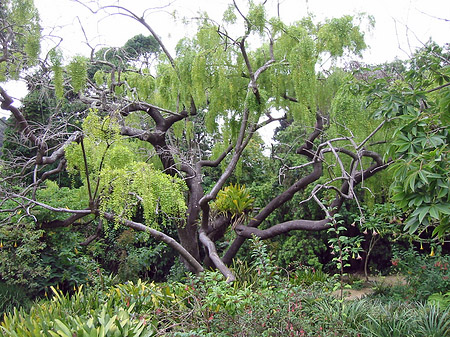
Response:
column 443, row 300
column 308, row 276
column 122, row 310
column 390, row 320
column 426, row 274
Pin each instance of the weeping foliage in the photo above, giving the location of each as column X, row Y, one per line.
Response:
column 209, row 69
column 78, row 73
column 140, row 185
column 126, row 183
column 58, row 79
column 20, row 34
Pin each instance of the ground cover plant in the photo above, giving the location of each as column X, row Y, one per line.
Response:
column 263, row 303
column 209, row 306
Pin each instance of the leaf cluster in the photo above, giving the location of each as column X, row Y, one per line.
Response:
column 20, row 34
column 418, row 99
column 124, row 181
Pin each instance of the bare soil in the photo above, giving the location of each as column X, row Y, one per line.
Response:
column 367, row 288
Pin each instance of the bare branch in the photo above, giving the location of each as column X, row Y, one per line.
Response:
column 212, row 253
column 282, row 228
column 159, row 236
column 51, row 208
column 215, row 163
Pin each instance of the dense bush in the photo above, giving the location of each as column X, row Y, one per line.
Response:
column 12, row 297
column 425, row 274
column 262, row 302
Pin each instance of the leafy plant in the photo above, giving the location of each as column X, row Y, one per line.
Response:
column 425, row 274
column 12, row 296
column 262, row 262
column 234, row 200
column 343, row 247
column 308, row 276
column 392, row 320
column 442, row 300
column 378, row 222
column 122, row 310
column 419, row 100
column 433, row 321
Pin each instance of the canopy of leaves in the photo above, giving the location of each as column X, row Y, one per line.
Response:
column 210, row 69
column 20, row 35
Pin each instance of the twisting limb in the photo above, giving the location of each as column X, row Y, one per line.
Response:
column 212, row 253
column 140, row 19
column 51, row 208
column 6, row 104
column 282, row 228
column 349, row 180
column 159, row 236
column 286, row 195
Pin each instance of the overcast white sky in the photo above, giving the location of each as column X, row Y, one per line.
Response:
column 401, row 25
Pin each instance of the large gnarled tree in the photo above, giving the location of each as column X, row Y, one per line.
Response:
column 221, row 87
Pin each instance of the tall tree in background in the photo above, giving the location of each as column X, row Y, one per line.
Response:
column 217, row 89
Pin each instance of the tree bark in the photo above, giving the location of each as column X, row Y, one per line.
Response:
column 195, row 265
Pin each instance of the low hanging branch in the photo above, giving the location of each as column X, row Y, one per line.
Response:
column 159, row 236
column 212, row 253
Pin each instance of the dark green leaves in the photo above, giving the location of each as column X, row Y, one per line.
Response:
column 418, row 102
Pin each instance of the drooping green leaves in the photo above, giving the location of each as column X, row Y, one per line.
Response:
column 338, row 35
column 126, row 182
column 77, row 70
column 140, row 185
column 256, row 17
column 58, row 78
column 20, row 34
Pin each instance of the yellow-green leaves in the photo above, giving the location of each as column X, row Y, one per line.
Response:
column 20, row 34
column 234, row 199
column 78, row 73
column 140, row 185
column 256, row 17
column 229, row 16
column 340, row 34
column 58, row 79
column 126, row 182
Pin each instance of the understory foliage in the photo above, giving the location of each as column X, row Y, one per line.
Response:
column 265, row 303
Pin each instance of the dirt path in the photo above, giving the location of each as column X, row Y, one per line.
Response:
column 391, row 280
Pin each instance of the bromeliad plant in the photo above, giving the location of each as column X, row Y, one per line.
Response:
column 234, row 201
